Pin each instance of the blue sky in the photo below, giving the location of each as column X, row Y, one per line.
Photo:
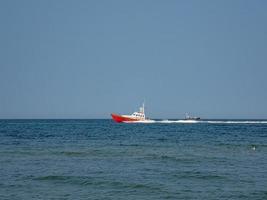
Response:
column 86, row 59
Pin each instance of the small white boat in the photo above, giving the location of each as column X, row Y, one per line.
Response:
column 188, row 117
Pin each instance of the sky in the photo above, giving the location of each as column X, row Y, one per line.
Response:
column 87, row 59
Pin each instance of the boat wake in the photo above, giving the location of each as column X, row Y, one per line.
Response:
column 236, row 122
column 141, row 122
column 200, row 121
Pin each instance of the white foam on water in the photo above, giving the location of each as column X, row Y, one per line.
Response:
column 199, row 121
column 236, row 122
column 143, row 122
column 179, row 121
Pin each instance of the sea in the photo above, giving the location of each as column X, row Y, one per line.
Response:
column 162, row 159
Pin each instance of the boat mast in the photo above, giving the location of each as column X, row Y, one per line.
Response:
column 187, row 116
column 144, row 109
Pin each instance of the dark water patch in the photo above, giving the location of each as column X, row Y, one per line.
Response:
column 21, row 153
column 259, row 195
column 96, row 182
column 40, row 152
column 89, row 153
column 73, row 153
column 243, row 147
column 163, row 139
column 135, row 145
column 71, row 180
column 166, row 158
column 200, row 176
column 52, row 178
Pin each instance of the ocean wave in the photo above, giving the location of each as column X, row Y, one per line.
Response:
column 200, row 175
column 95, row 181
column 165, row 158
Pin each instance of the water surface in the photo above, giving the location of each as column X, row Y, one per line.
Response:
column 100, row 159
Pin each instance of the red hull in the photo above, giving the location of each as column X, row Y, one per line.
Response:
column 120, row 119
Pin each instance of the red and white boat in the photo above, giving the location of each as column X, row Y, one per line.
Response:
column 135, row 117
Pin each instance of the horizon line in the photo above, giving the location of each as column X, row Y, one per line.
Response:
column 111, row 119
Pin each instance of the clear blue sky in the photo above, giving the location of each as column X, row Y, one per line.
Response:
column 86, row 59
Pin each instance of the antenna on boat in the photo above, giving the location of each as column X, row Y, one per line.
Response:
column 144, row 106
column 187, row 116
column 142, row 109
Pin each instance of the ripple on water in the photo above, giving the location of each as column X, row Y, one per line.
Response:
column 100, row 181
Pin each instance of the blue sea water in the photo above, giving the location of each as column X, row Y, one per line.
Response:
column 100, row 159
